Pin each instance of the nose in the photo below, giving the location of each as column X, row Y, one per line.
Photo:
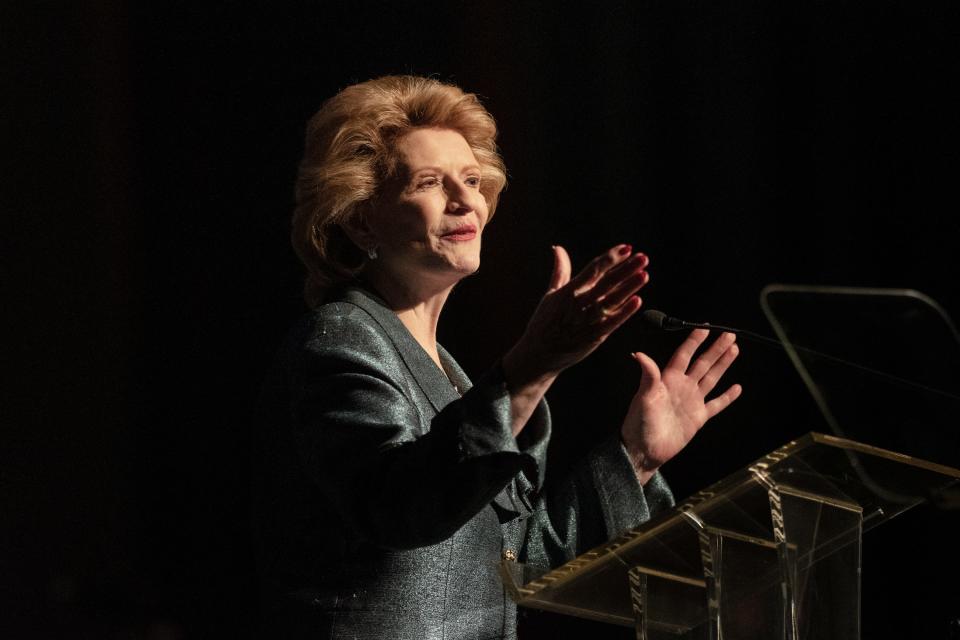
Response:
column 460, row 198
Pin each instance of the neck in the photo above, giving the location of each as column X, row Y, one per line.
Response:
column 417, row 303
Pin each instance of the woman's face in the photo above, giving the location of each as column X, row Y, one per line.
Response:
column 428, row 224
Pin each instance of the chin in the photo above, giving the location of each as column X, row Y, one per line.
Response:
column 463, row 263
column 469, row 266
column 454, row 267
column 460, row 271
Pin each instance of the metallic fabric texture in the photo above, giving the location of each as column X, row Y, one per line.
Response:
column 385, row 500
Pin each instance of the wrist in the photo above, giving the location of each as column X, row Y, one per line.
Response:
column 521, row 373
column 641, row 464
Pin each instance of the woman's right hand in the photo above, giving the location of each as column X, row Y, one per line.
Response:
column 576, row 315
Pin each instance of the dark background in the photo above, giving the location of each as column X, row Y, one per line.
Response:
column 149, row 153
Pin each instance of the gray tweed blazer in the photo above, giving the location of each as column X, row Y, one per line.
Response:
column 386, row 500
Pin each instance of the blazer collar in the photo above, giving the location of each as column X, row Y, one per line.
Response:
column 432, row 380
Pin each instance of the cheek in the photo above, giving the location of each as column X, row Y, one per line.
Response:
column 405, row 223
column 481, row 208
column 484, row 214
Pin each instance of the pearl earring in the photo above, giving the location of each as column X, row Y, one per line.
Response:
column 372, row 253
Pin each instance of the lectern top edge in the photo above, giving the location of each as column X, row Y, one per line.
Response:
column 726, row 490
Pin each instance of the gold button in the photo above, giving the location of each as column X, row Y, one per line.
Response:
column 510, row 554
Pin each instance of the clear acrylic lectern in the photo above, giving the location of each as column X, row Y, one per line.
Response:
column 772, row 551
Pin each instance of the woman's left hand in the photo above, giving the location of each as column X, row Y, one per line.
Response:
column 670, row 406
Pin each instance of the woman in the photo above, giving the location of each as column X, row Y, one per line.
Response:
column 393, row 486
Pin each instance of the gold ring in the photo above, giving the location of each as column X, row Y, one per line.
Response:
column 601, row 313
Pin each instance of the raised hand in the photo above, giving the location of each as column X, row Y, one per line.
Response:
column 671, row 406
column 576, row 315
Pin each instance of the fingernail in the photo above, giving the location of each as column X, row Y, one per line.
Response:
column 625, row 249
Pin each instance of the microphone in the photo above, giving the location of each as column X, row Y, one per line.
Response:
column 668, row 323
column 946, row 498
column 662, row 321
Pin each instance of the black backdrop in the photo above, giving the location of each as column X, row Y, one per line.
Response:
column 148, row 160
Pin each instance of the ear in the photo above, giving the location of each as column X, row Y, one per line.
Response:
column 358, row 229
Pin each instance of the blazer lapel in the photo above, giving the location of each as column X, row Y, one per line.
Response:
column 509, row 503
column 431, row 379
column 456, row 374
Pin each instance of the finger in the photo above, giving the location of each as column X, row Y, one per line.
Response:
column 612, row 279
column 723, row 401
column 681, row 357
column 561, row 268
column 707, row 359
column 649, row 371
column 599, row 266
column 613, row 321
column 710, row 380
column 625, row 288
column 617, row 273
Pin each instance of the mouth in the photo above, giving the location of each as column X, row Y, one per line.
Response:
column 462, row 233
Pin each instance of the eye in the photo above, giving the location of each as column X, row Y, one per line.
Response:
column 428, row 182
column 473, row 181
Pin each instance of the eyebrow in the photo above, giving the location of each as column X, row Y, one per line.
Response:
column 469, row 167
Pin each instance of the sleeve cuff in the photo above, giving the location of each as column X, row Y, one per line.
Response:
column 624, row 503
column 484, row 420
column 485, row 417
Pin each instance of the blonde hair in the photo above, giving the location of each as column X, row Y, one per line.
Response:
column 350, row 152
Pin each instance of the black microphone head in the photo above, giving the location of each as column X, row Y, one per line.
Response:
column 662, row 321
column 656, row 318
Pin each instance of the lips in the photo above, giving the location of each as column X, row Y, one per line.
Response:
column 461, row 234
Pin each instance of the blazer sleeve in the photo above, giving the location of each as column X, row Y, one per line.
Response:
column 398, row 479
column 600, row 499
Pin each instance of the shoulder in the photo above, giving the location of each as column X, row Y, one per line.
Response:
column 341, row 329
column 338, row 349
column 341, row 319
